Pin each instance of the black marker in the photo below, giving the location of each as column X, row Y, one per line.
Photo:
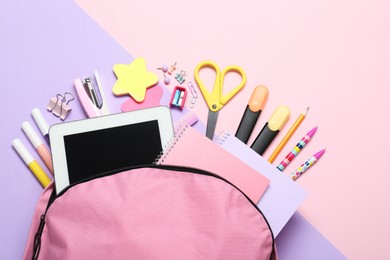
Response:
column 252, row 113
column 271, row 129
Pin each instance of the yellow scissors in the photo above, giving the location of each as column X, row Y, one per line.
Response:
column 214, row 99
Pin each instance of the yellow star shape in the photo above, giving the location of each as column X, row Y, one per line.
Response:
column 133, row 79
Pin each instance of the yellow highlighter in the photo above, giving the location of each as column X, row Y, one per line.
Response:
column 271, row 129
column 31, row 163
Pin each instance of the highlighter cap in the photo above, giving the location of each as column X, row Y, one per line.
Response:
column 279, row 118
column 258, row 98
column 31, row 134
column 40, row 120
column 22, row 151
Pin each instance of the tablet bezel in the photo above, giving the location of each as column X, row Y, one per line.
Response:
column 57, row 133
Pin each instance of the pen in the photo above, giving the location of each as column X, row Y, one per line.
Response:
column 271, row 129
column 41, row 122
column 31, row 163
column 290, row 132
column 252, row 113
column 295, row 151
column 41, row 148
column 306, row 165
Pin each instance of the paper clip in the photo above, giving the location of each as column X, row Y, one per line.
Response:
column 181, row 77
column 58, row 105
column 193, row 93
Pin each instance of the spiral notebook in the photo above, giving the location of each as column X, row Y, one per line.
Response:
column 191, row 149
column 283, row 196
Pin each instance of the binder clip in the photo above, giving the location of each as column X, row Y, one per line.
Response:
column 181, row 77
column 58, row 105
column 178, row 98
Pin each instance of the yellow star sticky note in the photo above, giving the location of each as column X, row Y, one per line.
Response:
column 133, row 79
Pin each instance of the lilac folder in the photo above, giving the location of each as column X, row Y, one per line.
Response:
column 45, row 46
column 283, row 196
column 279, row 204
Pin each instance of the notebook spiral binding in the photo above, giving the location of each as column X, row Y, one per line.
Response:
column 179, row 132
column 221, row 138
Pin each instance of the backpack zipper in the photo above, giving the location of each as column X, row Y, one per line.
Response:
column 54, row 196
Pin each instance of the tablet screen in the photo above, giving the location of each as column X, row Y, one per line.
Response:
column 99, row 151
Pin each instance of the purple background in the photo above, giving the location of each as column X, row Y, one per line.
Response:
column 44, row 46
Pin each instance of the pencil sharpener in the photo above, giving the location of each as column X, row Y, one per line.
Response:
column 178, row 98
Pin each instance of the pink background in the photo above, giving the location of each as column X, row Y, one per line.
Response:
column 333, row 56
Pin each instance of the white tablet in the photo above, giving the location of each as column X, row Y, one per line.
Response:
column 86, row 148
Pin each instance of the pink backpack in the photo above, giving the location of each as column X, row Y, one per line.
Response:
column 149, row 212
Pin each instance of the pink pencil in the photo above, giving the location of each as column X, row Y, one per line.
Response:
column 306, row 165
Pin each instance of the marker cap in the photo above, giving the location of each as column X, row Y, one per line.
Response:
column 40, row 121
column 31, row 134
column 258, row 98
column 22, row 151
column 279, row 118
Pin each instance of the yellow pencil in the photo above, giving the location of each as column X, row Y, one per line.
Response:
column 285, row 139
column 31, row 163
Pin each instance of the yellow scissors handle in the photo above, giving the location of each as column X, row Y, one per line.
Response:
column 225, row 98
column 211, row 98
column 214, row 99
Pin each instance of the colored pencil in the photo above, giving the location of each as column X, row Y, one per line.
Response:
column 297, row 148
column 306, row 165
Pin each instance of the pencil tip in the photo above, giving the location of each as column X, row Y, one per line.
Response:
column 319, row 153
column 306, row 110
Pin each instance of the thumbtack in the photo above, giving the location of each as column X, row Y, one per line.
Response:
column 172, row 69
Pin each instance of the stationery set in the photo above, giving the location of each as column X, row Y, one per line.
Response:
column 200, row 186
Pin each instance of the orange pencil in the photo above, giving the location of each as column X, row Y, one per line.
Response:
column 290, row 132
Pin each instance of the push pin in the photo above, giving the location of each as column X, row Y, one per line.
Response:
column 172, row 69
column 166, row 80
column 178, row 98
column 58, row 105
column 180, row 77
column 164, row 68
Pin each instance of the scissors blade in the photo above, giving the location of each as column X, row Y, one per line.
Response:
column 211, row 123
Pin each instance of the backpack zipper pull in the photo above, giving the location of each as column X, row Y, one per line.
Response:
column 37, row 238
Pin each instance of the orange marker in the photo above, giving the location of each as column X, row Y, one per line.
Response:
column 288, row 136
column 252, row 113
